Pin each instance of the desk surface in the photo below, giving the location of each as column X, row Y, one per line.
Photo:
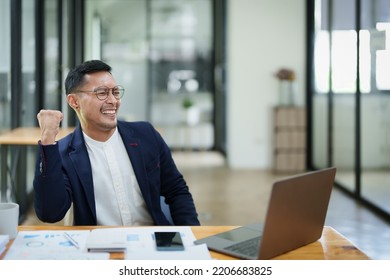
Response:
column 28, row 135
column 331, row 246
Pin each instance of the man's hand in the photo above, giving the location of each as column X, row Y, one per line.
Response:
column 49, row 122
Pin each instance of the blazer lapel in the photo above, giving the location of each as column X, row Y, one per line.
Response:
column 133, row 148
column 82, row 165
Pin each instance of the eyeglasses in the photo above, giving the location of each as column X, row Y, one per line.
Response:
column 103, row 92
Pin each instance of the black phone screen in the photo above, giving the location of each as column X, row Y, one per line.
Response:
column 168, row 241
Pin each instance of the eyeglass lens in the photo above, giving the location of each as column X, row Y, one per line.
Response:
column 103, row 92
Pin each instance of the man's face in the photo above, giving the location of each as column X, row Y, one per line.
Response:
column 98, row 118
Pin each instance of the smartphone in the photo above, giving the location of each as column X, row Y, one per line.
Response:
column 168, row 241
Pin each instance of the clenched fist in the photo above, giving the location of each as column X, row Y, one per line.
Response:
column 49, row 122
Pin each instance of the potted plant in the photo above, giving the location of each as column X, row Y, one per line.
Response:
column 286, row 79
column 192, row 113
column 187, row 103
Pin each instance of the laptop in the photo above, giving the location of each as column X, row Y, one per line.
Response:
column 295, row 217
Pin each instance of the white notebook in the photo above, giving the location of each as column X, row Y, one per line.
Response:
column 106, row 240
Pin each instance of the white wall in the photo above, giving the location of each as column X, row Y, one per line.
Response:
column 263, row 36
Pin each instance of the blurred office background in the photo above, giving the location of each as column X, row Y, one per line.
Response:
column 204, row 72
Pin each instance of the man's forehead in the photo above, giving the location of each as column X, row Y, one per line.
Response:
column 98, row 77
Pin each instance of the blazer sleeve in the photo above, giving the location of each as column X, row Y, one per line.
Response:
column 174, row 188
column 52, row 198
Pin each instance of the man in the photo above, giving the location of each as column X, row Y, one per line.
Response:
column 112, row 172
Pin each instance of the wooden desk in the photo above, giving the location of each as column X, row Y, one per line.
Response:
column 19, row 138
column 28, row 135
column 331, row 246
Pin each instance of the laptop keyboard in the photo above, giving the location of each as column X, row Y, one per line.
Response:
column 248, row 247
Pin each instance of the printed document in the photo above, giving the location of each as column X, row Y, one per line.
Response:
column 136, row 243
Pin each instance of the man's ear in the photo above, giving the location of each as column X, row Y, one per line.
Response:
column 73, row 101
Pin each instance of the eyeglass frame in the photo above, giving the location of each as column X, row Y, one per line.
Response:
column 107, row 92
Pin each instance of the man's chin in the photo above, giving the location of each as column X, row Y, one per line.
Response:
column 110, row 124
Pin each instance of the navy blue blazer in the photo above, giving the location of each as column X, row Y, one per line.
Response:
column 63, row 176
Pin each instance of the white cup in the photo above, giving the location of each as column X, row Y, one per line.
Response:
column 9, row 219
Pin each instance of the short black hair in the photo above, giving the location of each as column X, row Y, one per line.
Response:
column 75, row 76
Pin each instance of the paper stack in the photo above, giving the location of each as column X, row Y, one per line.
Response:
column 4, row 239
column 137, row 243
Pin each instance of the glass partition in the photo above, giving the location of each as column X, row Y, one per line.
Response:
column 5, row 66
column 181, row 67
column 351, row 96
column 375, row 116
column 53, row 83
column 320, row 92
column 116, row 32
column 343, row 54
column 28, row 110
column 164, row 61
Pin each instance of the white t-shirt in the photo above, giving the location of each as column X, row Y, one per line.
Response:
column 118, row 197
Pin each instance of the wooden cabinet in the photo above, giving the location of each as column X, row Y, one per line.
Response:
column 289, row 139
